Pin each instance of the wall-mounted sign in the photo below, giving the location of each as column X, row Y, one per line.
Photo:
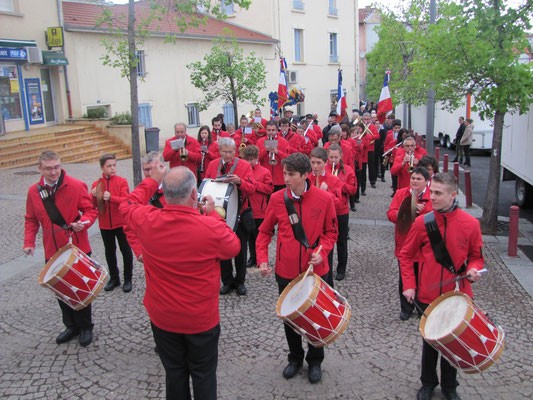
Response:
column 35, row 102
column 54, row 36
column 7, row 53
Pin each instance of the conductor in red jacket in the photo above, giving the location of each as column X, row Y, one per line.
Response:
column 115, row 189
column 316, row 210
column 190, row 155
column 462, row 237
column 74, row 203
column 182, row 277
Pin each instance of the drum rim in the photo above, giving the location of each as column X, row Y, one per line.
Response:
column 459, row 329
column 63, row 271
column 305, row 305
column 343, row 325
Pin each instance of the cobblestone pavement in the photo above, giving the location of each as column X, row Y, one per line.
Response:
column 377, row 357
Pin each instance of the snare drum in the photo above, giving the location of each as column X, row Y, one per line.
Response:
column 317, row 312
column 462, row 333
column 226, row 199
column 73, row 277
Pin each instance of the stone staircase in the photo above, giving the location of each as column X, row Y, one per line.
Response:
column 74, row 144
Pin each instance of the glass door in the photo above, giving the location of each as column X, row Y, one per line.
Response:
column 48, row 97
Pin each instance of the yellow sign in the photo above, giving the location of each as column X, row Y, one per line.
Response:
column 14, row 83
column 54, row 36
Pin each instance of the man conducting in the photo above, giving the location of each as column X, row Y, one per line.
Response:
column 182, row 277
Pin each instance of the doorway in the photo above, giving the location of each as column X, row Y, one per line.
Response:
column 48, row 97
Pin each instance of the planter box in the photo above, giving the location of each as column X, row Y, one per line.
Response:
column 123, row 133
column 99, row 123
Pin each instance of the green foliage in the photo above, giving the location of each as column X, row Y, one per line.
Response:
column 123, row 118
column 227, row 75
column 96, row 113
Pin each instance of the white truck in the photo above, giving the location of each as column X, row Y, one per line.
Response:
column 517, row 155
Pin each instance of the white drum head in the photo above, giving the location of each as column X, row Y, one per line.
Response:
column 56, row 266
column 225, row 195
column 291, row 304
column 445, row 317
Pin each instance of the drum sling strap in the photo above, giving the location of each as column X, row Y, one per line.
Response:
column 154, row 200
column 50, row 206
column 232, row 168
column 296, row 222
column 439, row 247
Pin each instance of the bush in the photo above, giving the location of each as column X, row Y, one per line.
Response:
column 96, row 112
column 122, row 119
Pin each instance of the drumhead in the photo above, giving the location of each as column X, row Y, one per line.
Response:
column 445, row 317
column 291, row 304
column 225, row 195
column 56, row 266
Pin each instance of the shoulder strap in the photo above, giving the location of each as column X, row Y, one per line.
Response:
column 295, row 221
column 154, row 200
column 51, row 209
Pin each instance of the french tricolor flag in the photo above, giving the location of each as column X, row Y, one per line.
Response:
column 385, row 101
column 282, row 87
column 341, row 99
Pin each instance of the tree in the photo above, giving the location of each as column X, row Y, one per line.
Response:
column 228, row 75
column 128, row 33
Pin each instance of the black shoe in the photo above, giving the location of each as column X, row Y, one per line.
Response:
column 363, row 193
column 225, row 289
column 382, row 179
column 291, row 369
column 113, row 283
column 241, row 290
column 454, row 160
column 451, row 395
column 156, row 349
column 251, row 263
column 86, row 337
column 467, row 165
column 352, row 208
column 373, row 185
column 425, row 392
column 126, row 288
column 339, row 276
column 356, row 200
column 66, row 335
column 405, row 316
column 314, row 374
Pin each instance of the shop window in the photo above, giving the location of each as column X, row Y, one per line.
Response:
column 141, row 66
column 193, row 114
column 10, row 105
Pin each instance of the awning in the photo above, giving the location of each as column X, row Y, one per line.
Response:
column 17, row 43
column 54, row 58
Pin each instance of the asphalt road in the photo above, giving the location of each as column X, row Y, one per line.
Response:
column 479, row 176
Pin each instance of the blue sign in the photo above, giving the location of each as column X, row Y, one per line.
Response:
column 35, row 102
column 7, row 53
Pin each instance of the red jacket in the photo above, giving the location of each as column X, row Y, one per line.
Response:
column 334, row 187
column 119, row 189
column 402, row 171
column 195, row 154
column 264, row 187
column 182, row 269
column 217, row 135
column 349, row 186
column 347, row 152
column 71, row 198
column 357, row 151
column 462, row 236
column 243, row 170
column 264, row 156
column 296, row 142
column 318, row 132
column 374, row 135
column 392, row 213
column 365, row 146
column 317, row 212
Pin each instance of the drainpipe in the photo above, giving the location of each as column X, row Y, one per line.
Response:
column 67, row 86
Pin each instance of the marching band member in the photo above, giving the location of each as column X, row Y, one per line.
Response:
column 334, row 137
column 406, row 159
column 431, row 164
column 292, row 257
column 461, row 236
column 309, row 132
column 270, row 157
column 239, row 172
column 209, row 149
column 402, row 219
column 307, row 143
column 336, row 167
column 111, row 222
column 296, row 142
column 258, row 118
column 372, row 132
column 314, row 126
column 363, row 141
column 182, row 278
column 332, row 120
column 259, row 199
column 217, row 131
column 189, row 155
column 75, row 214
column 232, row 133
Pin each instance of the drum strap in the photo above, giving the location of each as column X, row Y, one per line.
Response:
column 50, row 206
column 296, row 222
column 236, row 160
column 439, row 247
column 154, row 200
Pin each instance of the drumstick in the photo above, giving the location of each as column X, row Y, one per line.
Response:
column 419, row 308
column 85, row 222
column 458, row 278
column 305, row 275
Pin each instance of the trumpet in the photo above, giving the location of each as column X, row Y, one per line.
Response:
column 364, row 132
column 387, row 157
column 241, row 149
column 184, row 155
column 272, row 160
column 411, row 162
column 333, row 171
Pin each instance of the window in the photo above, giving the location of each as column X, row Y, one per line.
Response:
column 229, row 116
column 298, row 5
column 227, row 9
column 333, row 7
column 9, row 92
column 141, row 66
column 298, row 45
column 333, row 57
column 7, row 6
column 194, row 115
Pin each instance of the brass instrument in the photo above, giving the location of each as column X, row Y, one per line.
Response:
column 184, row 156
column 411, row 162
column 256, row 126
column 272, row 160
column 241, row 148
column 364, row 132
column 271, row 143
column 333, row 171
column 386, row 157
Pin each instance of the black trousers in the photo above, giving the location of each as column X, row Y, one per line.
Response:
column 226, row 266
column 380, row 168
column 342, row 245
column 108, row 236
column 405, row 306
column 394, row 183
column 372, row 171
column 76, row 319
column 315, row 355
column 189, row 355
column 466, row 150
column 252, row 236
column 361, row 179
column 430, row 356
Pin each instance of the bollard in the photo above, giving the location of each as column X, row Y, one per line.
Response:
column 513, row 232
column 456, row 172
column 445, row 163
column 468, row 189
column 424, row 143
column 437, row 153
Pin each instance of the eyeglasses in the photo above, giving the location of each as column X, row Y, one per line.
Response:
column 227, row 152
column 54, row 168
